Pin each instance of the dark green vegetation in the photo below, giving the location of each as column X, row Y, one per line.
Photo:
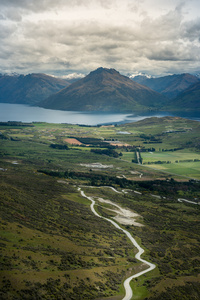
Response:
column 54, row 247
column 59, row 146
column 105, row 90
column 109, row 152
column 28, row 89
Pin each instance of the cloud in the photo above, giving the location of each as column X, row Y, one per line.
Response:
column 13, row 15
column 49, row 5
column 191, row 30
column 58, row 36
column 31, row 5
column 72, row 76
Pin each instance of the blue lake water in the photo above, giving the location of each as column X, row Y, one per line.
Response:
column 25, row 113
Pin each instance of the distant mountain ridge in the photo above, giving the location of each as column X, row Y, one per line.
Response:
column 28, row 89
column 105, row 90
column 170, row 86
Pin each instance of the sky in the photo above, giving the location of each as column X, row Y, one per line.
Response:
column 75, row 37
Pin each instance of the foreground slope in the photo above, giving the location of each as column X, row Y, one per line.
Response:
column 54, row 247
column 28, row 89
column 105, row 90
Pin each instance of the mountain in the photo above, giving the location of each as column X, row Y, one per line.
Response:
column 141, row 79
column 28, row 89
column 197, row 74
column 105, row 90
column 187, row 100
column 170, row 86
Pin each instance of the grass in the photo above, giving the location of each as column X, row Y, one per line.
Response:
column 128, row 156
column 171, row 156
column 178, row 162
column 139, row 290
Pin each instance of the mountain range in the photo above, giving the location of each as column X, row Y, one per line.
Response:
column 103, row 90
column 28, row 89
column 170, row 86
column 189, row 98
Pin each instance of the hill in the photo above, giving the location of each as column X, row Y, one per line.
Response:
column 28, row 89
column 187, row 100
column 169, row 86
column 105, row 90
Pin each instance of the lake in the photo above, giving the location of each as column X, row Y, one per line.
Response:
column 25, row 113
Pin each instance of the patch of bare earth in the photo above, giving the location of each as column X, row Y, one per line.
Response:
column 73, row 141
column 97, row 166
column 117, row 143
column 123, row 216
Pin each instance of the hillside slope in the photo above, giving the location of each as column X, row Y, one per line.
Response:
column 188, row 100
column 28, row 89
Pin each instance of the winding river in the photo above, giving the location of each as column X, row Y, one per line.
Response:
column 128, row 290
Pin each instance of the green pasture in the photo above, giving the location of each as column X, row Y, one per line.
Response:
column 169, row 156
column 128, row 156
column 191, row 170
column 179, row 164
column 17, row 135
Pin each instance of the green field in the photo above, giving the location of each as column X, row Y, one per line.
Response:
column 170, row 156
column 180, row 162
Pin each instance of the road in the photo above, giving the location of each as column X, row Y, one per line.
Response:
column 188, row 201
column 138, row 157
column 128, row 290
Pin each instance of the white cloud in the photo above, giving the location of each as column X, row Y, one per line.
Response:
column 61, row 37
column 72, row 76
